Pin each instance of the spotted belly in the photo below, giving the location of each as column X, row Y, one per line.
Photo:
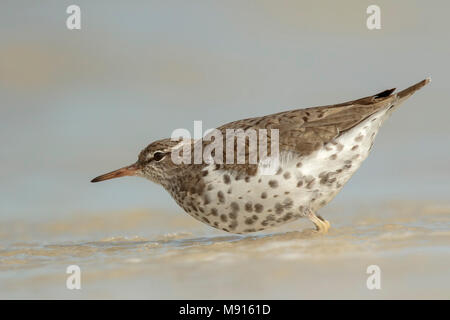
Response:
column 243, row 204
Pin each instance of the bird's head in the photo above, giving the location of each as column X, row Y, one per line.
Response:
column 154, row 163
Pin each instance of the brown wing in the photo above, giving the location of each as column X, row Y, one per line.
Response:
column 306, row 130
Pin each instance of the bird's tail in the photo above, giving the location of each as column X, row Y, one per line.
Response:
column 401, row 96
column 405, row 94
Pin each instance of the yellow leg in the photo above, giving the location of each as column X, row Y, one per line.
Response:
column 321, row 224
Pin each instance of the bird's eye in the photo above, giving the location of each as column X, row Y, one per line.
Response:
column 158, row 156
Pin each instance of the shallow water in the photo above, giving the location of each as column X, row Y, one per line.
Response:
column 121, row 255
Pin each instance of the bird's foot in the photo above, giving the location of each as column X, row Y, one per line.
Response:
column 321, row 224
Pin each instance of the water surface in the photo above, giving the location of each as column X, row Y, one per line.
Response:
column 122, row 255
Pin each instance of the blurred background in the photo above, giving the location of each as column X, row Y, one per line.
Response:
column 78, row 103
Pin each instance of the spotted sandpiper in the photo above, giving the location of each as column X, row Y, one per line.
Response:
column 320, row 149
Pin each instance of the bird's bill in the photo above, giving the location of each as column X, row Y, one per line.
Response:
column 122, row 172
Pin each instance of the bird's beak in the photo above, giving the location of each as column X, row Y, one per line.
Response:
column 122, row 172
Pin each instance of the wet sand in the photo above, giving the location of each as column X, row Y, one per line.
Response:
column 124, row 255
